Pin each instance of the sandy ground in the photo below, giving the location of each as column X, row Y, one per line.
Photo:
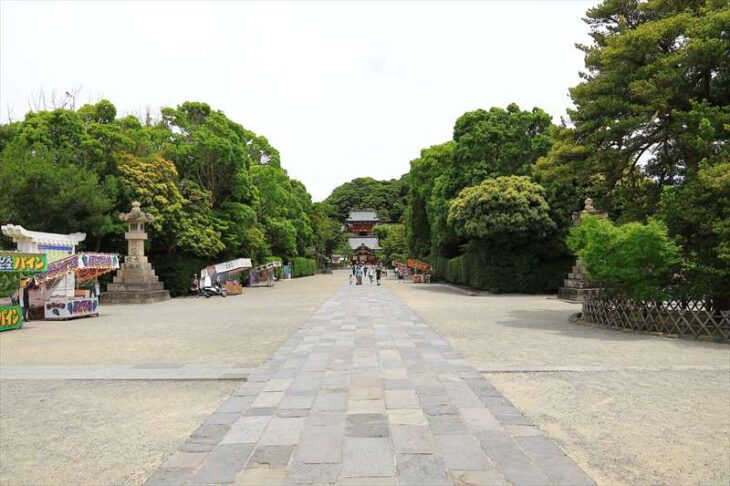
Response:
column 656, row 412
column 242, row 329
column 97, row 432
column 118, row 432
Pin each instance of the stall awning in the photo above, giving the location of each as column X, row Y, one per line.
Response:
column 266, row 266
column 233, row 265
column 86, row 266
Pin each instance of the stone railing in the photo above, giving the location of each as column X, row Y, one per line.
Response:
column 687, row 318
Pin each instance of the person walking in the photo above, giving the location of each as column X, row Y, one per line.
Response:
column 371, row 274
column 358, row 275
column 350, row 278
column 378, row 273
column 195, row 286
column 24, row 297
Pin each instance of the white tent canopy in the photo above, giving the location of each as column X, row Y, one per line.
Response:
column 233, row 265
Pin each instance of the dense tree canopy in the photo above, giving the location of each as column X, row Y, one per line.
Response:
column 487, row 144
column 388, row 198
column 651, row 125
column 218, row 190
column 501, row 208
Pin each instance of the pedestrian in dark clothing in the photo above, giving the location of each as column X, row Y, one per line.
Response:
column 26, row 299
column 378, row 273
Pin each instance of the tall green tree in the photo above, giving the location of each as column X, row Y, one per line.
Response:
column 388, row 198
column 654, row 101
column 420, row 214
column 651, row 122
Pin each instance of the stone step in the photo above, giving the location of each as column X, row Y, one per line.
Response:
column 135, row 287
column 134, row 297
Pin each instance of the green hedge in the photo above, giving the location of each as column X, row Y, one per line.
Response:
column 505, row 269
column 177, row 271
column 302, row 267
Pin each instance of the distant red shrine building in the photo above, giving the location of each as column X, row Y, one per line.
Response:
column 362, row 240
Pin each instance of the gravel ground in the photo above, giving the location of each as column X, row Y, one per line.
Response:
column 97, row 432
column 117, row 432
column 243, row 329
column 658, row 412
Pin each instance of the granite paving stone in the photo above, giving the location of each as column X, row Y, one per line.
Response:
column 282, row 431
column 422, row 470
column 365, row 393
column 365, row 406
column 367, row 425
column 246, row 430
column 222, row 464
column 330, row 401
column 320, row 445
column 274, row 456
column 415, row 439
column 368, row 457
column 267, row 399
column 297, row 401
column 407, row 417
column 259, row 411
column 401, row 399
column 462, row 452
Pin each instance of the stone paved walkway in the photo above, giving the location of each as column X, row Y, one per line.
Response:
column 366, row 393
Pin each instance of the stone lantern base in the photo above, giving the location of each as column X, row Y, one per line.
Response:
column 135, row 283
column 574, row 287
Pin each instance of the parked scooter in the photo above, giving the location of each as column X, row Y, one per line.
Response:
column 216, row 289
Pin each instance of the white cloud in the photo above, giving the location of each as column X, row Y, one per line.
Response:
column 342, row 89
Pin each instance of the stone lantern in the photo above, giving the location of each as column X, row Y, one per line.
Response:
column 575, row 286
column 135, row 282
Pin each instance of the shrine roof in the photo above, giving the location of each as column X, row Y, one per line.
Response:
column 369, row 241
column 362, row 215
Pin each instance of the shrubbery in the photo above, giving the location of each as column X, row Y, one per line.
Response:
column 177, row 271
column 504, row 270
column 633, row 259
column 301, row 267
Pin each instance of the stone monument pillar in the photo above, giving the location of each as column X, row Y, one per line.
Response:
column 135, row 282
column 575, row 285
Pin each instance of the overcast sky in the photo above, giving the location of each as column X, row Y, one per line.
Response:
column 342, row 89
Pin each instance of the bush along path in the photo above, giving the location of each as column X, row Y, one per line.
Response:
column 366, row 393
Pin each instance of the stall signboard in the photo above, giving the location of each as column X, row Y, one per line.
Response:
column 71, row 308
column 59, row 268
column 11, row 317
column 237, row 264
column 87, row 265
column 98, row 260
column 23, row 262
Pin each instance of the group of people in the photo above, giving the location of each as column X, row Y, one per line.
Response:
column 372, row 272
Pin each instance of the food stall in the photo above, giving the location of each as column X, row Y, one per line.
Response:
column 263, row 275
column 14, row 267
column 228, row 273
column 55, row 246
column 62, row 285
column 418, row 266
